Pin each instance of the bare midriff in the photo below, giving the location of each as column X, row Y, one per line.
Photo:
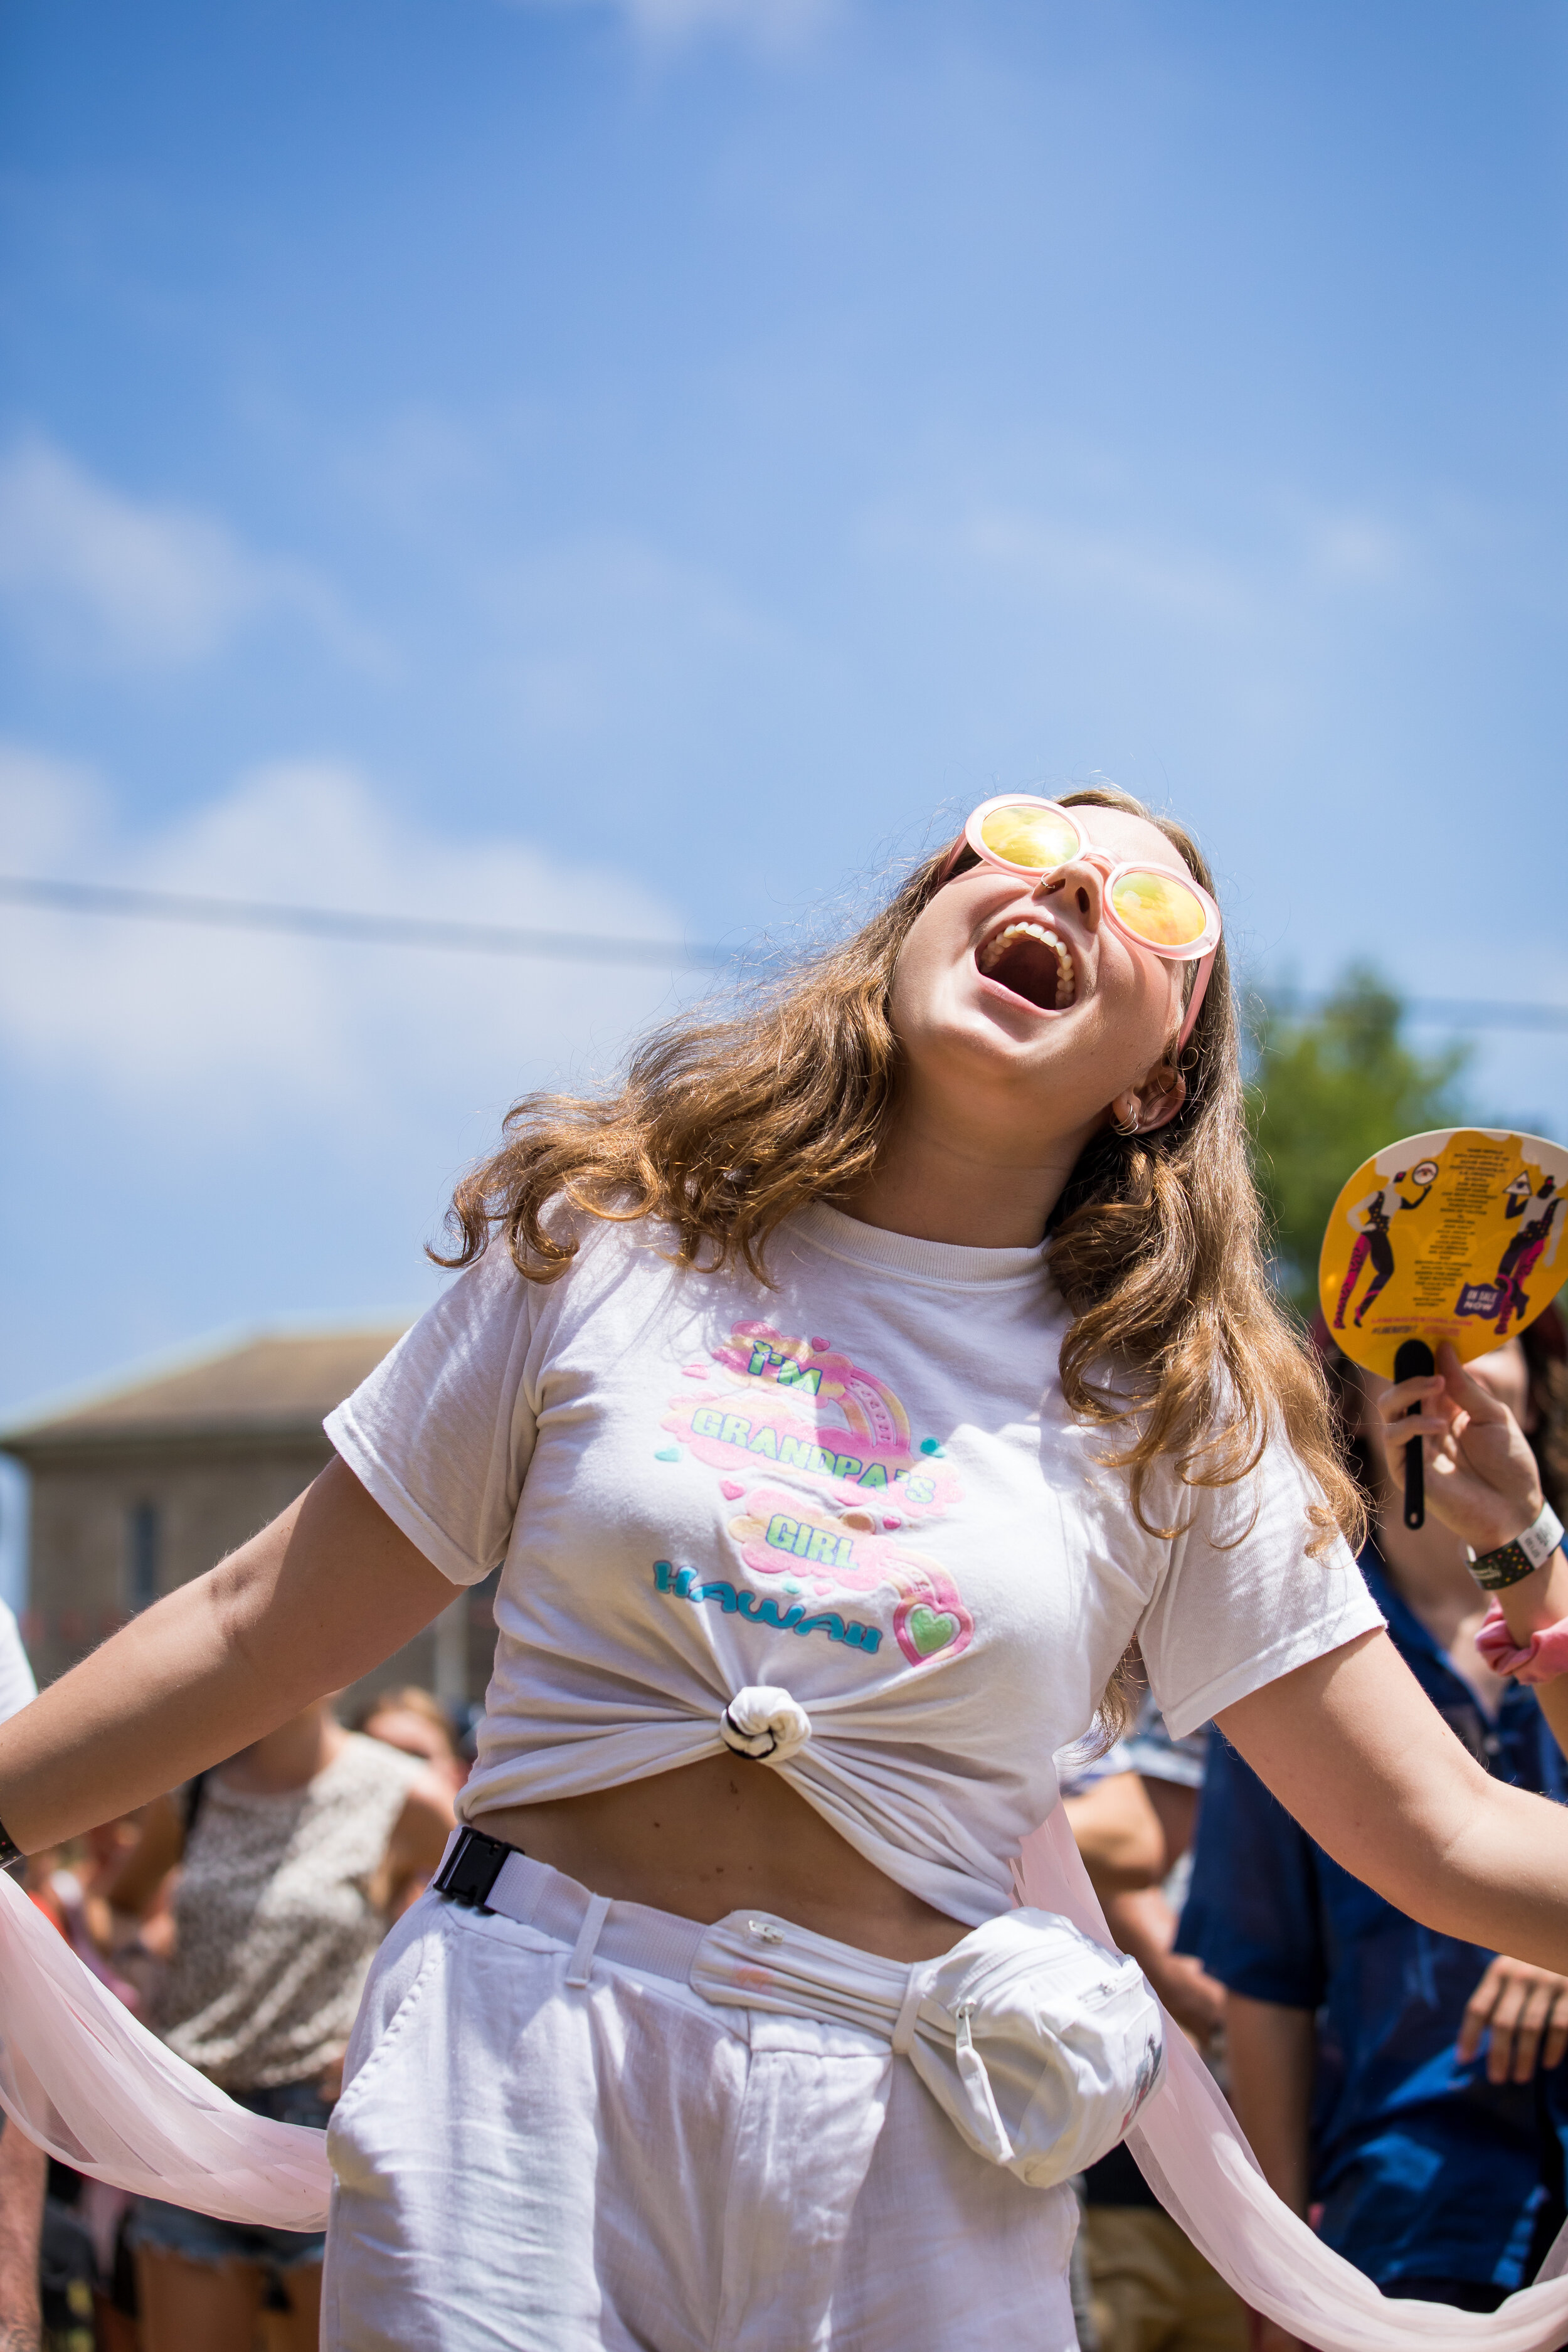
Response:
column 725, row 1835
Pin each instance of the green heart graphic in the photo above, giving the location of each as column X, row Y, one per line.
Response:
column 931, row 1630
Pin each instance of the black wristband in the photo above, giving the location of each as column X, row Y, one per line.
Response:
column 10, row 1852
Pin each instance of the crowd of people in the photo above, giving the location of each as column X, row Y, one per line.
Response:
column 238, row 1917
column 760, row 1383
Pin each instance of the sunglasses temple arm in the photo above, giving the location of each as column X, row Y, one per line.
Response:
column 1195, row 1002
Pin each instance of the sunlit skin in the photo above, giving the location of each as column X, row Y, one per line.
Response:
column 999, row 1097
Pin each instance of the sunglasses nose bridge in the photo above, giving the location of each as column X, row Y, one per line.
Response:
column 1088, row 871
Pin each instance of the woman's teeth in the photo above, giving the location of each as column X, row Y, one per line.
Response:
column 1049, row 980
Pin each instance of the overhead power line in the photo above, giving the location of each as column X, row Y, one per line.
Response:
column 342, row 923
column 586, row 947
column 1438, row 1012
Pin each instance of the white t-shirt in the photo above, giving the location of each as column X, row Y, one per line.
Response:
column 861, row 1486
column 16, row 1683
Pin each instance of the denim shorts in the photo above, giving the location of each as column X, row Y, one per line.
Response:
column 201, row 2238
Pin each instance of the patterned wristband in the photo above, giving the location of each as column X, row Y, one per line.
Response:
column 10, row 1852
column 1494, row 1572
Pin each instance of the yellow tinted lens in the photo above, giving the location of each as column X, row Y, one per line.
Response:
column 1033, row 838
column 1159, row 908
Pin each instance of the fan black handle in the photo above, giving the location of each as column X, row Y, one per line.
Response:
column 1414, row 1362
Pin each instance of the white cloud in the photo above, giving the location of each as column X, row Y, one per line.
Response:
column 105, row 582
column 1131, row 567
column 233, row 1032
column 767, row 24
column 1298, row 554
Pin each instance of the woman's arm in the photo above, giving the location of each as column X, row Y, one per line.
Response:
column 1270, row 2051
column 1143, row 1926
column 418, row 1839
column 1353, row 1748
column 312, row 1603
column 160, row 1844
column 24, row 2170
column 1483, row 1481
column 1117, row 1833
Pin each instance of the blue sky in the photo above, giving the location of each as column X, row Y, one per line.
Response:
column 638, row 464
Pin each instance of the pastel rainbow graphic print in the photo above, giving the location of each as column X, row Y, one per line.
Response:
column 819, row 1455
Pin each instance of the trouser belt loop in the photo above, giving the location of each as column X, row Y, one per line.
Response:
column 587, row 1939
column 903, row 2032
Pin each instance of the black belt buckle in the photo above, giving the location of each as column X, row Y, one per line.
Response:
column 471, row 1869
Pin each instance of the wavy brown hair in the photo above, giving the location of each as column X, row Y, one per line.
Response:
column 723, row 1126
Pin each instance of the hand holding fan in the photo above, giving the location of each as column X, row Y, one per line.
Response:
column 1453, row 1235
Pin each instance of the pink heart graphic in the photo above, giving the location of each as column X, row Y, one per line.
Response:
column 732, row 1489
column 820, row 1347
column 924, row 1629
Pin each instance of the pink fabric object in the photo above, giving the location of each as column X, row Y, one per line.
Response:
column 1195, row 2160
column 84, row 2080
column 1542, row 1658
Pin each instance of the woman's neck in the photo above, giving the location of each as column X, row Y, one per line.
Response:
column 977, row 1182
column 288, row 1757
column 1428, row 1570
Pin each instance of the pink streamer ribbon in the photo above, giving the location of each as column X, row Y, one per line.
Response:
column 1192, row 2156
column 84, row 2080
column 1540, row 1660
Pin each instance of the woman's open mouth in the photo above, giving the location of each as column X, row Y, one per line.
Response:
column 1031, row 960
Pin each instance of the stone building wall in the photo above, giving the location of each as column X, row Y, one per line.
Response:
column 89, row 1553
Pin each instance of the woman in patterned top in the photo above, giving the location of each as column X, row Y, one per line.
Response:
column 296, row 1855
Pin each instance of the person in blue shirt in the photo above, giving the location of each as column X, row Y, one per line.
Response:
column 1407, row 2086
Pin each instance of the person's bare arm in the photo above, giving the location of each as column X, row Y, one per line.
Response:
column 160, row 1844
column 1269, row 2051
column 419, row 1837
column 1483, row 1481
column 1144, row 1927
column 1354, row 1749
column 1117, row 1833
column 24, row 2172
column 312, row 1603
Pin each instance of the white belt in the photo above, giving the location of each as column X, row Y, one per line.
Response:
column 1040, row 2045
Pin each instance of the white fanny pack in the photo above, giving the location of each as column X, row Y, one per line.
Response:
column 1039, row 2045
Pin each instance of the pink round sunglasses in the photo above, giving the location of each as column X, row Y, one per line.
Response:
column 1160, row 908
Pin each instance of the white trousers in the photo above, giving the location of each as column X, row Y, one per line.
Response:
column 527, row 2163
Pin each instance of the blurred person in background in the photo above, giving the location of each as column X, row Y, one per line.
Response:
column 88, row 2272
column 1133, row 1813
column 23, row 2168
column 294, row 1857
column 416, row 1721
column 1408, row 2084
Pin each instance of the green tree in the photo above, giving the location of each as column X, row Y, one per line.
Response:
column 1329, row 1090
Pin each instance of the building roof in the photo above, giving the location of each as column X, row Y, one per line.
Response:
column 276, row 1384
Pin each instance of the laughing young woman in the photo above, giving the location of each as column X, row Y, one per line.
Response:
column 843, row 1397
